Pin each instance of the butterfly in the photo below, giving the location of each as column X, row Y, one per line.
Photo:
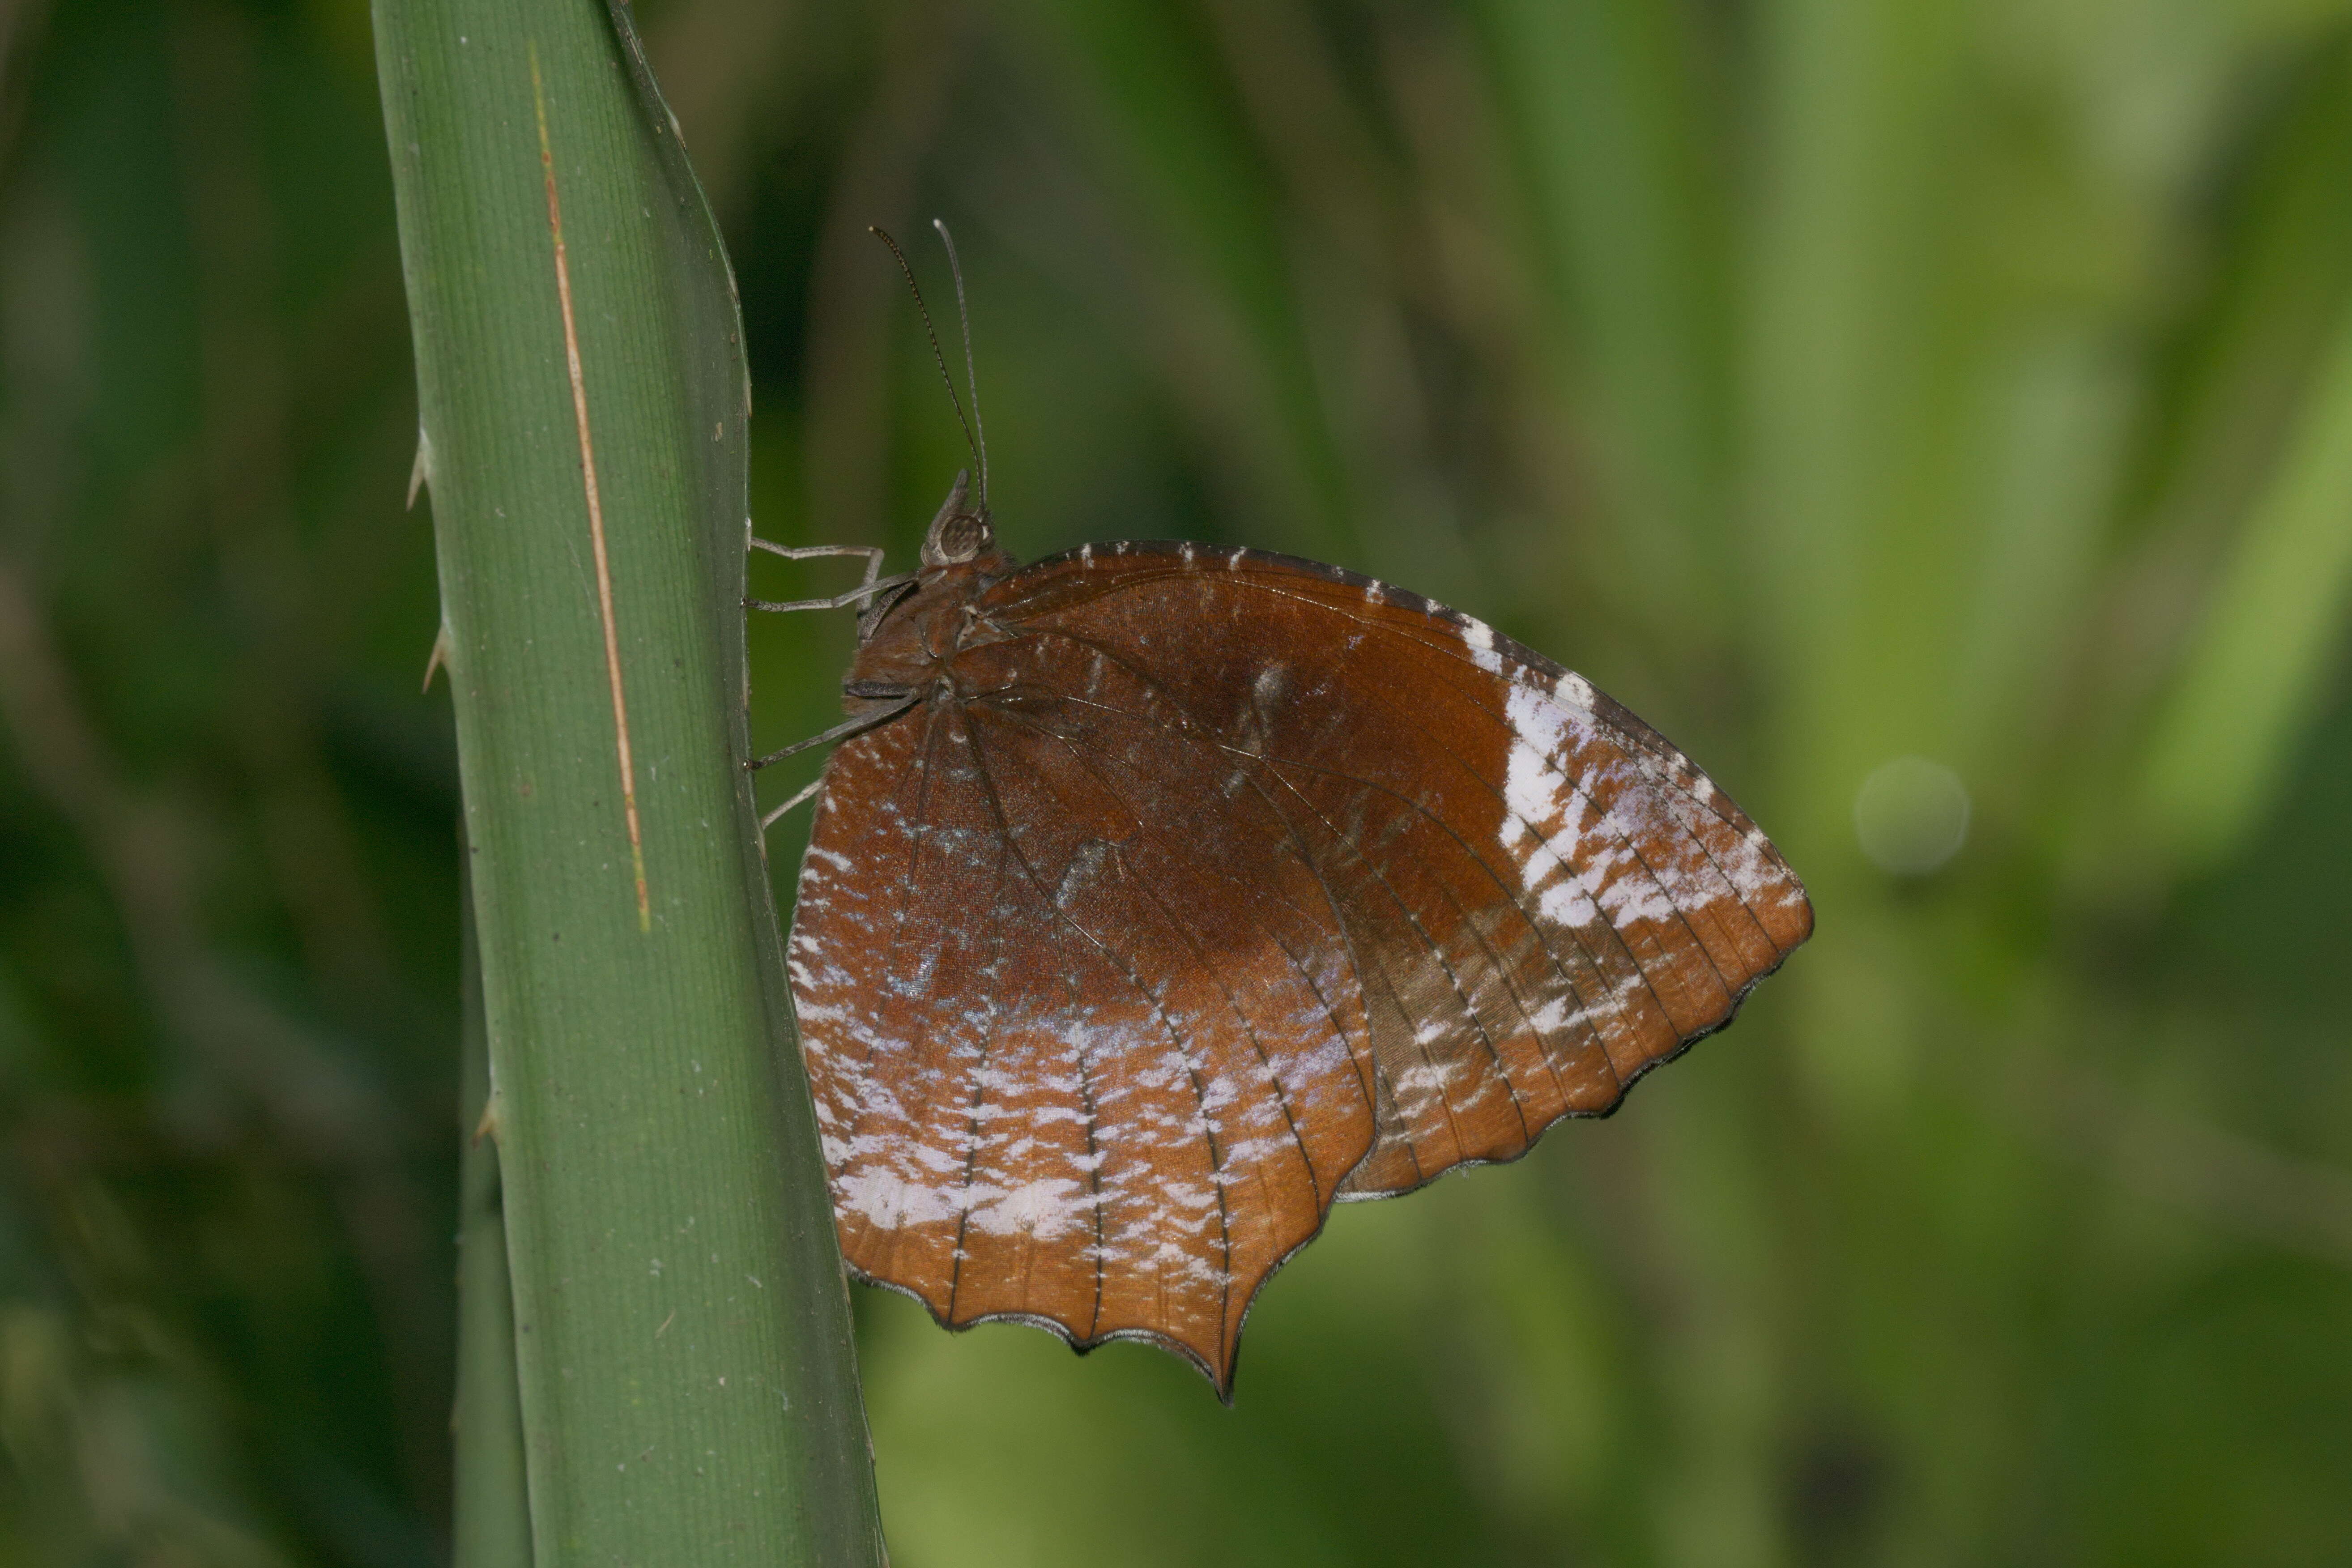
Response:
column 1161, row 897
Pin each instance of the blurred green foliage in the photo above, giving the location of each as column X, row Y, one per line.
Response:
column 1834, row 381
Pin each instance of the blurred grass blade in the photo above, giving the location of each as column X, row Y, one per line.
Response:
column 1606, row 105
column 1849, row 370
column 688, row 1382
column 2270, row 631
column 492, row 1526
column 1173, row 146
column 2056, row 422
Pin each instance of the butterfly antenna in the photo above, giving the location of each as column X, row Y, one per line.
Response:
column 970, row 367
column 938, row 358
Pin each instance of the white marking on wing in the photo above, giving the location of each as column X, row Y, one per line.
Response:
column 1556, row 1015
column 1532, row 782
column 1479, row 638
column 888, row 1201
column 1042, row 1208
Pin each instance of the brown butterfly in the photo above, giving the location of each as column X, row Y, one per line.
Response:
column 1161, row 897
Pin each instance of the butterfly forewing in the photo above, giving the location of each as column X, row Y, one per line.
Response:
column 1225, row 885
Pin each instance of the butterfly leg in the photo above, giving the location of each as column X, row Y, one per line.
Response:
column 872, row 584
column 798, row 798
column 841, row 731
column 807, row 790
column 872, row 552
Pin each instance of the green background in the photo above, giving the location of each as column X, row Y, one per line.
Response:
column 1832, row 380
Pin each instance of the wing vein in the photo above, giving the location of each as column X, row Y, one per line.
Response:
column 1249, row 1027
column 1208, row 1123
column 995, row 973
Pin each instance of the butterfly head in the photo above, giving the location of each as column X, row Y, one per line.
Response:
column 962, row 531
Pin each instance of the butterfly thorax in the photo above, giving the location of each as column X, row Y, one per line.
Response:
column 909, row 648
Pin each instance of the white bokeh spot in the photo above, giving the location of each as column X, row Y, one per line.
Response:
column 1911, row 815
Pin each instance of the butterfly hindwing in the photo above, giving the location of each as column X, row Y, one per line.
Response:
column 1086, row 1061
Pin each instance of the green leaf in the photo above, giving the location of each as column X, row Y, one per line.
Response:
column 492, row 1524
column 2271, row 629
column 688, row 1384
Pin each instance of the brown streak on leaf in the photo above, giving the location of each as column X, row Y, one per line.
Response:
column 595, row 500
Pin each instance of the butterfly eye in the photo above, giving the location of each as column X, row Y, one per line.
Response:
column 960, row 537
column 959, row 532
